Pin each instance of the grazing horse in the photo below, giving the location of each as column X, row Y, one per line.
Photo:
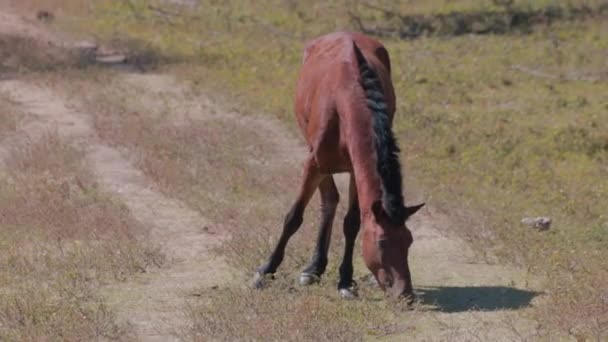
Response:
column 344, row 105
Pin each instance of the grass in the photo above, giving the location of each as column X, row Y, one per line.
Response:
column 8, row 120
column 62, row 239
column 503, row 127
column 23, row 54
column 307, row 314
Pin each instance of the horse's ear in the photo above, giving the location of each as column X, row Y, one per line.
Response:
column 409, row 211
column 378, row 210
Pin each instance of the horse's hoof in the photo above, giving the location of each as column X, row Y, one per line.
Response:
column 259, row 280
column 349, row 293
column 309, row 279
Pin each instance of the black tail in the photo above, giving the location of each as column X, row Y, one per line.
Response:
column 387, row 151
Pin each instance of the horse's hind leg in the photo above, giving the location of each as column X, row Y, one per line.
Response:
column 352, row 223
column 329, row 202
column 310, row 181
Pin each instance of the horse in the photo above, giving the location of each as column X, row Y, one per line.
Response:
column 344, row 106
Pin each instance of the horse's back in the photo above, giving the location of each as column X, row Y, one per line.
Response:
column 337, row 46
column 330, row 70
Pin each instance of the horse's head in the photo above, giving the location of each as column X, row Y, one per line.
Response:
column 385, row 249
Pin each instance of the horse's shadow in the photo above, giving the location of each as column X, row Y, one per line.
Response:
column 480, row 298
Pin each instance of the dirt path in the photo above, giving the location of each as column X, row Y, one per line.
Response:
column 153, row 301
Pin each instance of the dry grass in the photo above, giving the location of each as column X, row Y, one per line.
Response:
column 8, row 117
column 286, row 312
column 579, row 306
column 62, row 239
column 499, row 126
column 24, row 54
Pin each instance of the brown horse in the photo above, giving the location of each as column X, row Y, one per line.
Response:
column 344, row 105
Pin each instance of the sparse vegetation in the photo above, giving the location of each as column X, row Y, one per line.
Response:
column 8, row 121
column 306, row 314
column 495, row 128
column 62, row 239
column 19, row 54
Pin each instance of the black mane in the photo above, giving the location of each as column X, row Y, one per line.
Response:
column 387, row 150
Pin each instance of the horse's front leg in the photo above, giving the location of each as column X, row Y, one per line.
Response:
column 352, row 223
column 310, row 181
column 329, row 202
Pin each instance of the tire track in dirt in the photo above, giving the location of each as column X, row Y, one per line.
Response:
column 151, row 302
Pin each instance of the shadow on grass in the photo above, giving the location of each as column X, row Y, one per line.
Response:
column 480, row 298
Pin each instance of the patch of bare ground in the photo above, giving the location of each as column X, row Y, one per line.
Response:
column 27, row 27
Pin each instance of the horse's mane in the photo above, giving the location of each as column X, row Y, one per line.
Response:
column 387, row 150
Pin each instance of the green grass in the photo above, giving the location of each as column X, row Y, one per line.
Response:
column 500, row 126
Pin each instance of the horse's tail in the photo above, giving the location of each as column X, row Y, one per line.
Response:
column 387, row 151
